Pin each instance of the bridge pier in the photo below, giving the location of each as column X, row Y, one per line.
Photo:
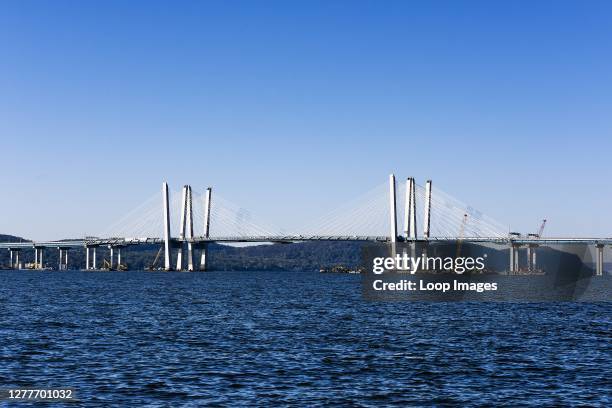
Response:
column 14, row 258
column 204, row 258
column 90, row 260
column 38, row 258
column 531, row 257
column 514, row 259
column 63, row 259
column 111, row 261
column 599, row 259
column 87, row 257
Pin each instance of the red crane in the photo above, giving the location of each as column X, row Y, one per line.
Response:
column 541, row 230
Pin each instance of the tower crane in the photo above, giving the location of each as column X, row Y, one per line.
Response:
column 541, row 230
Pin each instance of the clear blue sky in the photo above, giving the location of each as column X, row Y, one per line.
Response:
column 291, row 108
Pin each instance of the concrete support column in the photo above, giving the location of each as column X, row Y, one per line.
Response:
column 40, row 258
column 207, row 203
column 204, row 257
column 66, row 260
column 425, row 254
column 86, row 258
column 515, row 249
column 511, row 266
column 111, row 263
column 61, row 259
column 427, row 215
column 11, row 263
column 118, row 257
column 599, row 260
column 166, row 214
column 531, row 257
column 94, row 258
column 35, row 258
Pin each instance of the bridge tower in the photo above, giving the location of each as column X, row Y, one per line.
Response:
column 427, row 217
column 167, row 244
column 392, row 208
column 410, row 224
column 207, row 202
column 179, row 256
column 189, row 233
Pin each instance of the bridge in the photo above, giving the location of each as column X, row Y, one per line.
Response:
column 366, row 219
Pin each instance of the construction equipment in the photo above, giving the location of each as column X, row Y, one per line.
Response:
column 107, row 266
column 154, row 264
column 541, row 230
column 461, row 233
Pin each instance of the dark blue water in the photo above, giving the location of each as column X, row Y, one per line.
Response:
column 264, row 338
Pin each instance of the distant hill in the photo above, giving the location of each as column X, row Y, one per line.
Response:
column 298, row 256
column 11, row 238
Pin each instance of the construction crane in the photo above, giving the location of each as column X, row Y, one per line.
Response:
column 461, row 232
column 541, row 230
column 154, row 264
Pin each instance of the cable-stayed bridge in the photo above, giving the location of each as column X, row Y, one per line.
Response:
column 185, row 222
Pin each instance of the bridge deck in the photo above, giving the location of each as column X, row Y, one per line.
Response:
column 293, row 238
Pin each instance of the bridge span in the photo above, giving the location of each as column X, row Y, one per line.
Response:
column 185, row 244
